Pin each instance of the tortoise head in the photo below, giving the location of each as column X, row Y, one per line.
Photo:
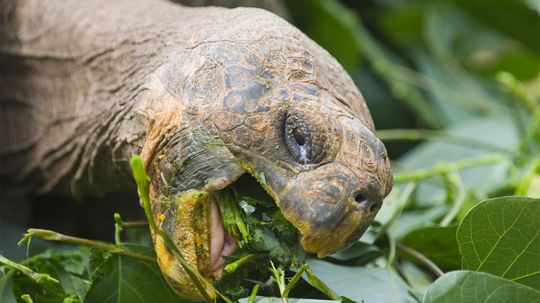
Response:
column 298, row 124
column 270, row 102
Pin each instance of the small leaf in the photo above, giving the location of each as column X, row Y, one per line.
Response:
column 361, row 283
column 467, row 286
column 502, row 236
column 123, row 279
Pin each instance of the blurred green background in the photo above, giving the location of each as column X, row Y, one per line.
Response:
column 429, row 64
column 453, row 87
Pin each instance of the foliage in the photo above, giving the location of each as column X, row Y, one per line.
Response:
column 453, row 88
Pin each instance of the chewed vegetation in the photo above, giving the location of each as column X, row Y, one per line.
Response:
column 454, row 88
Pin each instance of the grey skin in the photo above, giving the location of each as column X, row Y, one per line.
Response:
column 204, row 95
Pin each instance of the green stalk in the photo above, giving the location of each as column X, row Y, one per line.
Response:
column 253, row 295
column 423, row 134
column 454, row 180
column 234, row 266
column 40, row 279
column 54, row 236
column 294, row 280
column 441, row 169
column 421, row 259
column 320, row 285
column 516, row 88
column 142, row 179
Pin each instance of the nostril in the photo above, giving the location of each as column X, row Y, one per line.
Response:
column 359, row 198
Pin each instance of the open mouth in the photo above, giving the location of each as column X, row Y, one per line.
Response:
column 241, row 209
column 222, row 244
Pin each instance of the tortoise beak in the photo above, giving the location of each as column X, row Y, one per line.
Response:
column 330, row 207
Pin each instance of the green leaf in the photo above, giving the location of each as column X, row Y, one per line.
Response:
column 361, row 283
column 122, row 279
column 502, row 236
column 439, row 244
column 467, row 286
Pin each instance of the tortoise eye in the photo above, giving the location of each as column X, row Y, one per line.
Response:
column 299, row 137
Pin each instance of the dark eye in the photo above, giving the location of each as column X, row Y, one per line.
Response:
column 299, row 139
column 299, row 136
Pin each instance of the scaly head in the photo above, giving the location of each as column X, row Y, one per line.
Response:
column 298, row 123
column 269, row 102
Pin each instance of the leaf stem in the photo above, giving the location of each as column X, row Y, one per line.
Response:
column 108, row 247
column 134, row 224
column 117, row 228
column 421, row 259
column 516, row 88
column 142, row 179
column 233, row 266
column 37, row 277
column 253, row 295
column 454, row 180
column 320, row 285
column 401, row 202
column 444, row 168
column 525, row 182
column 294, row 280
column 423, row 134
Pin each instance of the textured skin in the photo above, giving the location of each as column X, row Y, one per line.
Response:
column 204, row 94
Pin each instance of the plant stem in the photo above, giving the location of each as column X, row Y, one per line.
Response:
column 233, row 266
column 135, row 224
column 37, row 277
column 441, row 169
column 142, row 179
column 524, row 185
column 401, row 202
column 108, row 247
column 320, row 285
column 512, row 85
column 117, row 228
column 421, row 259
column 293, row 280
column 254, row 293
column 423, row 134
column 454, row 181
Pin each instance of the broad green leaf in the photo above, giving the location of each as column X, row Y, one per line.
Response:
column 467, row 286
column 361, row 283
column 502, row 236
column 122, row 279
column 280, row 300
column 439, row 244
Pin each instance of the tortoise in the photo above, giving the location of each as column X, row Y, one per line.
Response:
column 205, row 96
